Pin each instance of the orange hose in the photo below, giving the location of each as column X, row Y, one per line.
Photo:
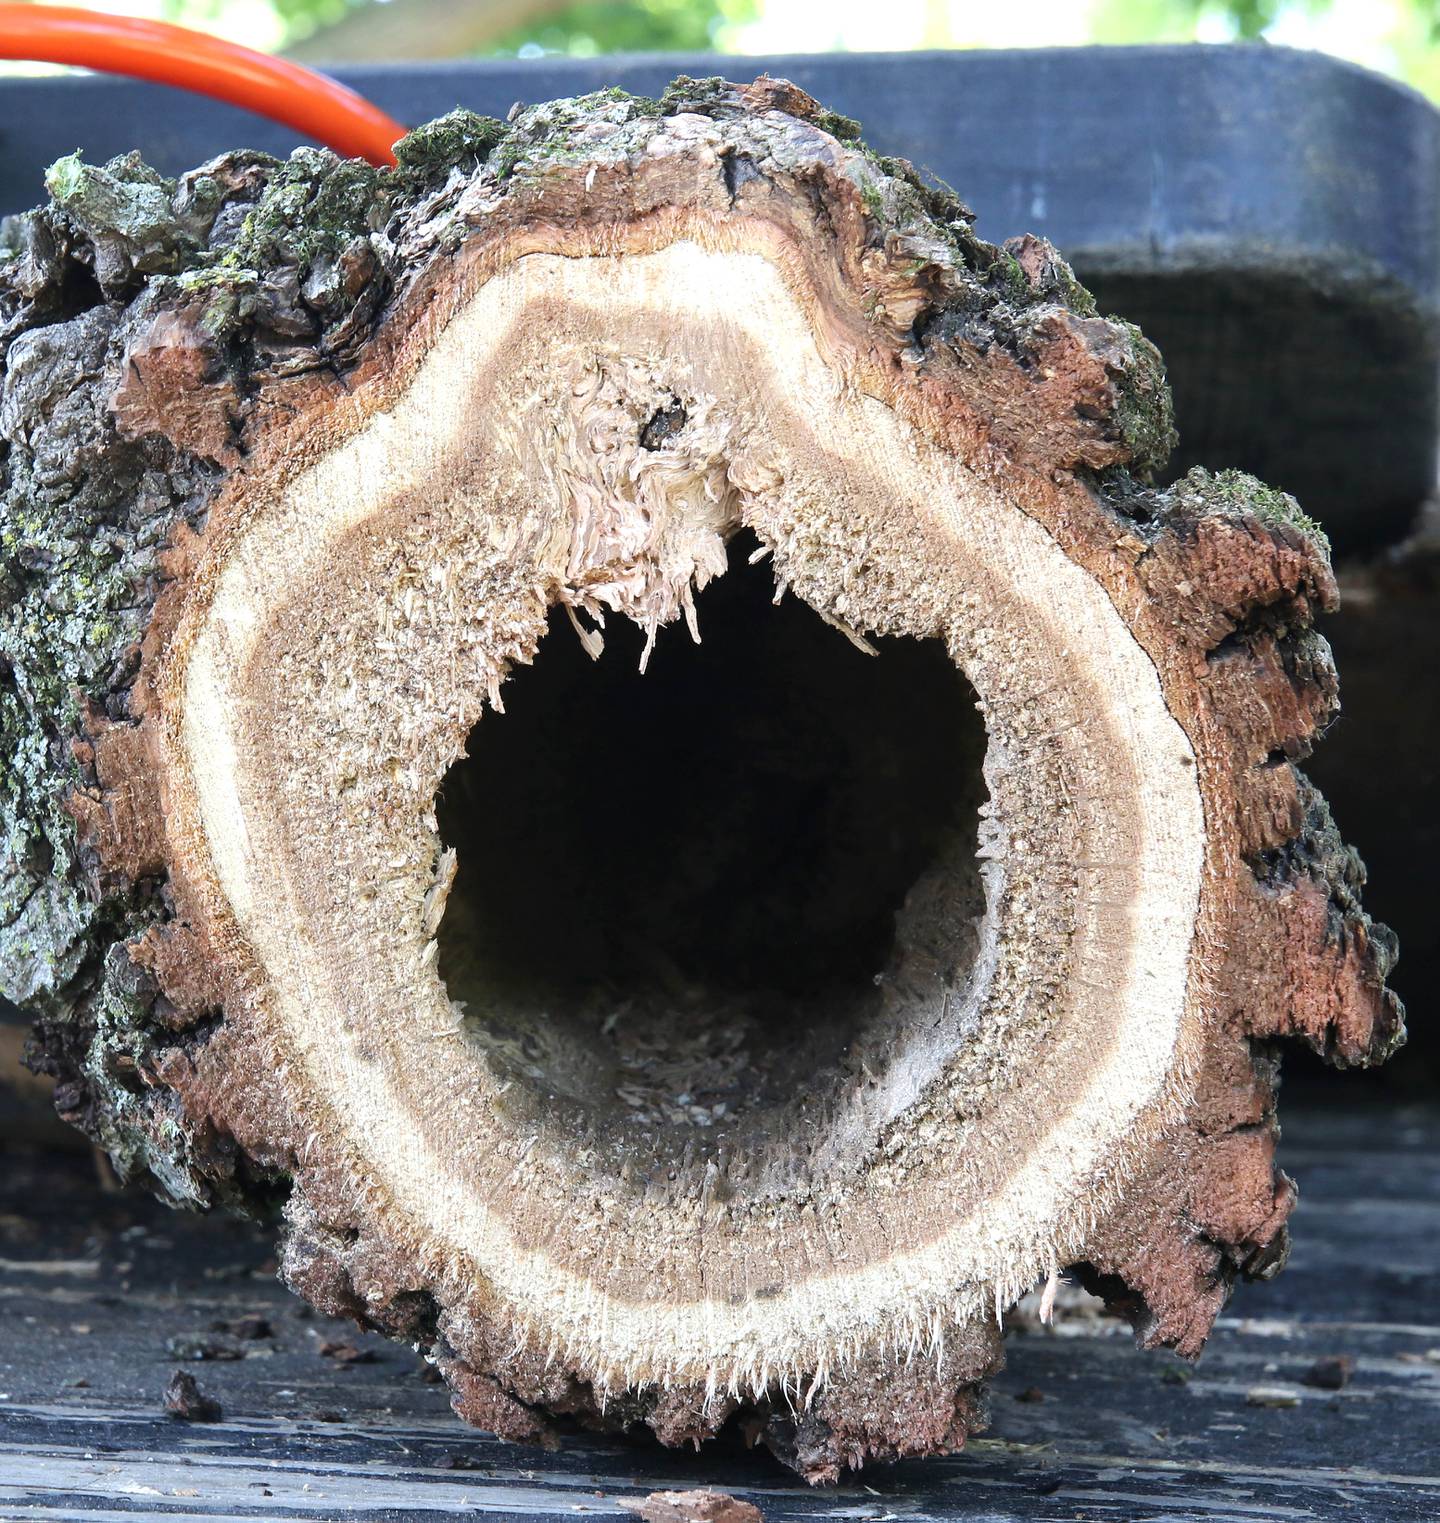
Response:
column 319, row 107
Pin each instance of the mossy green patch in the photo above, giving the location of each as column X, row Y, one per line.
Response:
column 1238, row 492
column 313, row 205
column 461, row 139
column 1144, row 409
column 844, row 129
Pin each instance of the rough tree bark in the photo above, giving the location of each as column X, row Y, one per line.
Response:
column 300, row 458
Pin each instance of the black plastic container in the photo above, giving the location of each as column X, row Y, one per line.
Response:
column 1270, row 218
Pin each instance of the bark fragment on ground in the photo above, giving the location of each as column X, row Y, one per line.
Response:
column 703, row 1506
column 304, row 464
column 186, row 1401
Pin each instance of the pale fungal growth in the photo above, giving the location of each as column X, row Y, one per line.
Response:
column 731, row 1020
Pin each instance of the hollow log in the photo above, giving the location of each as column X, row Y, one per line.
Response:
column 659, row 1026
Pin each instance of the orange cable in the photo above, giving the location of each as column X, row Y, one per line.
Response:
column 315, row 105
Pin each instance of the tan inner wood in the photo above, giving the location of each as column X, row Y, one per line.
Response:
column 343, row 641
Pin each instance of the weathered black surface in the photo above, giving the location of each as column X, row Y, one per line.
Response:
column 94, row 1286
column 1270, row 218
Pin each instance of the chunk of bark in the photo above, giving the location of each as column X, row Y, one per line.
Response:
column 704, row 1506
column 1332, row 1373
column 185, row 1400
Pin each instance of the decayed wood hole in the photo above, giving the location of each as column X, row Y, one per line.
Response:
column 674, row 910
column 656, row 1031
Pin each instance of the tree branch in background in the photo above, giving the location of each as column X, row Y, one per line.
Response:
column 419, row 29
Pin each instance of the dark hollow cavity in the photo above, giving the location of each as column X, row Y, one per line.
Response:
column 677, row 895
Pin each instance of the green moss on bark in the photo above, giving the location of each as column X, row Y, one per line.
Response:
column 461, row 140
column 1144, row 410
column 1235, row 494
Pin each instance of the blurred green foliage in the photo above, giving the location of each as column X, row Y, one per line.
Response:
column 632, row 26
column 1250, row 20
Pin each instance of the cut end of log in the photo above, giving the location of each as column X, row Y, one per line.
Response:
column 665, row 787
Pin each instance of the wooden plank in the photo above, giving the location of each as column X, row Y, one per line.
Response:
column 93, row 1287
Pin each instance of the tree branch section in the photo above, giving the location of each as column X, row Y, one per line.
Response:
column 303, row 461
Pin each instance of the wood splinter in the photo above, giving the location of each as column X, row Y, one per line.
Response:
column 733, row 1042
